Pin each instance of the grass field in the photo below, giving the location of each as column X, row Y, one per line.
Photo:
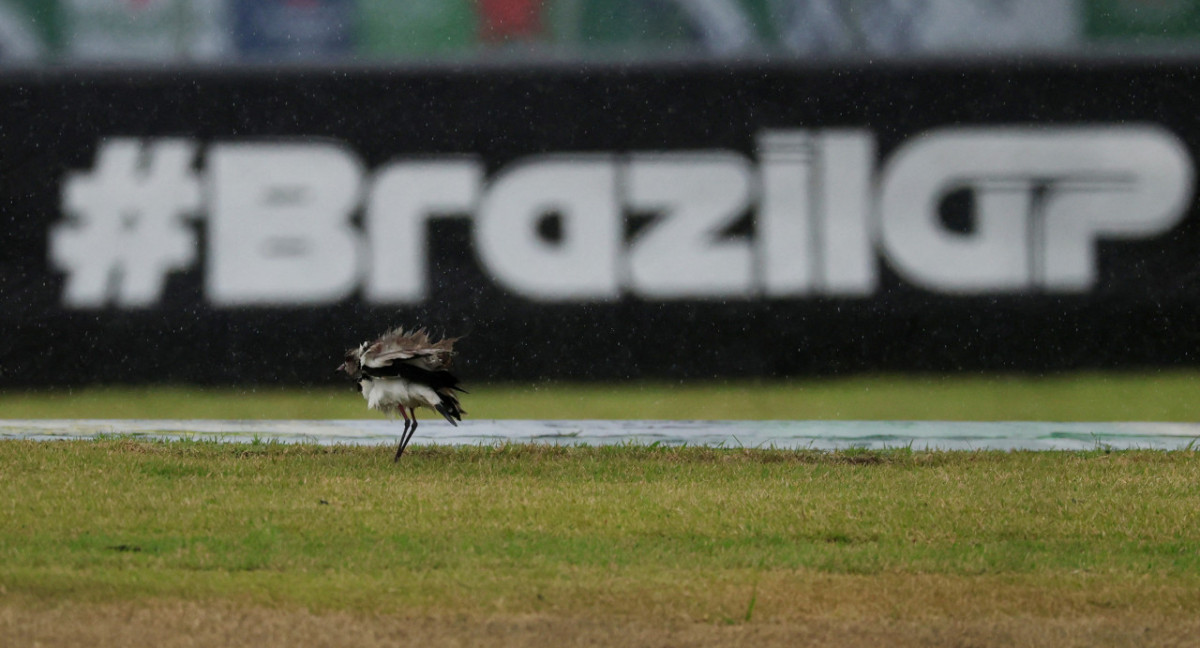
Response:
column 116, row 542
column 121, row 542
column 1156, row 396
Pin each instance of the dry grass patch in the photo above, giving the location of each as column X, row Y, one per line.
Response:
column 175, row 623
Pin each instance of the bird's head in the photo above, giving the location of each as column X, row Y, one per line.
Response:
column 353, row 364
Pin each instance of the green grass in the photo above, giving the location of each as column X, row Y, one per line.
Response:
column 1149, row 396
column 900, row 538
column 692, row 533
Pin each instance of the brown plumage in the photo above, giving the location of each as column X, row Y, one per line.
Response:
column 400, row 344
column 401, row 371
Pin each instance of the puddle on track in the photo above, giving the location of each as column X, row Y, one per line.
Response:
column 821, row 435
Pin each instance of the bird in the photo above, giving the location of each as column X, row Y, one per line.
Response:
column 402, row 370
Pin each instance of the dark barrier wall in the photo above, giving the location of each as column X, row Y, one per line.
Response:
column 604, row 223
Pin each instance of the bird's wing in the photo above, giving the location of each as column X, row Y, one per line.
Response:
column 424, row 358
column 410, row 348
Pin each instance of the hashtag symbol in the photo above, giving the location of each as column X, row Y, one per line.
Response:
column 126, row 223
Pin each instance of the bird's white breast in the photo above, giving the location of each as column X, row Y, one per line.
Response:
column 386, row 393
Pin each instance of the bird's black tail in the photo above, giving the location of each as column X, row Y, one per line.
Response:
column 450, row 407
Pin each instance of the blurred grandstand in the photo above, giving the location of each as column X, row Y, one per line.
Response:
column 36, row 32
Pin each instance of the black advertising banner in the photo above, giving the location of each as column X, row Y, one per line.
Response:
column 247, row 226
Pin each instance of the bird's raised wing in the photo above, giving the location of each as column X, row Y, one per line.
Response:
column 415, row 348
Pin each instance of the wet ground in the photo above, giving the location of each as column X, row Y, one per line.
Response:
column 823, row 435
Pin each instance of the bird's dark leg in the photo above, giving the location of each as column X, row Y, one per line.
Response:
column 409, row 436
column 403, row 433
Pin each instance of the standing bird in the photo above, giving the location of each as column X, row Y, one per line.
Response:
column 402, row 371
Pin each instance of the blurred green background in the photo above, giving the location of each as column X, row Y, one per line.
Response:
column 55, row 31
column 1129, row 396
